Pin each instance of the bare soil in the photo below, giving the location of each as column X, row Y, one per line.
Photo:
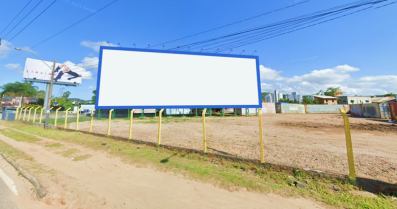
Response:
column 309, row 141
column 105, row 182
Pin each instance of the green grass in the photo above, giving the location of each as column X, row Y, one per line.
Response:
column 223, row 173
column 18, row 136
column 54, row 145
column 61, row 121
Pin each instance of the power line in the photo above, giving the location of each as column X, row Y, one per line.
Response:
column 15, row 17
column 223, row 26
column 22, row 19
column 29, row 23
column 68, row 27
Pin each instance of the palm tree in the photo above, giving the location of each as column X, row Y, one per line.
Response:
column 18, row 89
column 331, row 91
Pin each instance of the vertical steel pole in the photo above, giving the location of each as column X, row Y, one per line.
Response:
column 92, row 119
column 131, row 118
column 56, row 116
column 196, row 113
column 261, row 136
column 110, row 119
column 66, row 117
column 204, row 131
column 235, row 111
column 159, row 136
column 349, row 145
column 34, row 116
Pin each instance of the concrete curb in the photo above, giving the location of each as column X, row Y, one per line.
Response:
column 40, row 191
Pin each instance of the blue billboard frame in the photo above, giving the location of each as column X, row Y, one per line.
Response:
column 176, row 106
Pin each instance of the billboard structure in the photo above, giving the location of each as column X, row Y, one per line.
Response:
column 37, row 71
column 130, row 78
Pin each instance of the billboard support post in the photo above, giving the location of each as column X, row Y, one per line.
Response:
column 261, row 136
column 131, row 113
column 56, row 116
column 34, row 116
column 110, row 120
column 159, row 136
column 92, row 118
column 49, row 97
column 66, row 117
column 204, row 132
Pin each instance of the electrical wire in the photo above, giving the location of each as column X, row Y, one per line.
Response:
column 16, row 16
column 23, row 19
column 29, row 23
column 223, row 26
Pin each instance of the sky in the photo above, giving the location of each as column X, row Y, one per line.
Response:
column 357, row 52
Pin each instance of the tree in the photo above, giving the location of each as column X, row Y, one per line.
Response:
column 66, row 94
column 40, row 94
column 94, row 97
column 308, row 100
column 263, row 94
column 331, row 91
column 18, row 89
column 321, row 92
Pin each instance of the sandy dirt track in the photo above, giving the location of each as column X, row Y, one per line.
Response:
column 312, row 141
column 104, row 182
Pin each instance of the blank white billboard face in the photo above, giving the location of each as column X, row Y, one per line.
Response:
column 140, row 78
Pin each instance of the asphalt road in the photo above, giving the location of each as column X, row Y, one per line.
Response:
column 6, row 197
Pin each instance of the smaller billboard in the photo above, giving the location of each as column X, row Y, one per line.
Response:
column 40, row 71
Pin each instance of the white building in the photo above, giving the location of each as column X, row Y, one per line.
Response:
column 269, row 98
column 355, row 99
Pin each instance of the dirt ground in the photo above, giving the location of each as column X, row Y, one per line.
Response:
column 106, row 182
column 309, row 141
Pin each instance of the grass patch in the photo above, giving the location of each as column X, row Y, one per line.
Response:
column 223, row 173
column 54, row 145
column 18, row 136
column 82, row 157
column 69, row 152
column 61, row 121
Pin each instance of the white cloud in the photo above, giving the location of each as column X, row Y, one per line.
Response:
column 80, row 70
column 95, row 45
column 268, row 74
column 91, row 87
column 317, row 80
column 14, row 67
column 89, row 63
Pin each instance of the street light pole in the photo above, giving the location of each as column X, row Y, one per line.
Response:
column 48, row 92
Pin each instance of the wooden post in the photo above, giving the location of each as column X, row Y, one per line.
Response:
column 16, row 114
column 34, row 115
column 66, row 117
column 349, row 145
column 92, row 119
column 131, row 117
column 159, row 135
column 30, row 111
column 41, row 114
column 56, row 116
column 77, row 118
column 204, row 131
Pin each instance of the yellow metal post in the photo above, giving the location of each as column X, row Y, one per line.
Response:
column 204, row 132
column 349, row 145
column 34, row 114
column 24, row 114
column 41, row 114
column 20, row 114
column 261, row 136
column 16, row 113
column 159, row 136
column 131, row 117
column 77, row 118
column 66, row 117
column 56, row 116
column 110, row 119
column 30, row 111
column 92, row 118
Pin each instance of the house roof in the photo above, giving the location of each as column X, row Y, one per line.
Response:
column 382, row 99
column 325, row 97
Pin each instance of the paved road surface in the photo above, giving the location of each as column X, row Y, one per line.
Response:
column 6, row 197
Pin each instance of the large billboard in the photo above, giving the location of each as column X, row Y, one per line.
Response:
column 131, row 78
column 39, row 71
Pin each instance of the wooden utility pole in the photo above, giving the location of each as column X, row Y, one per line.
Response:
column 49, row 97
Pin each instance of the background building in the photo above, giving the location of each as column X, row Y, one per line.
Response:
column 355, row 99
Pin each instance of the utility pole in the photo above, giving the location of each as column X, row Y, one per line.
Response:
column 49, row 97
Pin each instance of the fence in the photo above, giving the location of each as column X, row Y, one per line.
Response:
column 374, row 110
column 393, row 111
column 290, row 108
column 305, row 141
column 319, row 109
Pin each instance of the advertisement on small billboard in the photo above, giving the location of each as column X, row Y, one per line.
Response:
column 40, row 70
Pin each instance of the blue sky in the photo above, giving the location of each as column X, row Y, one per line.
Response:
column 357, row 52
